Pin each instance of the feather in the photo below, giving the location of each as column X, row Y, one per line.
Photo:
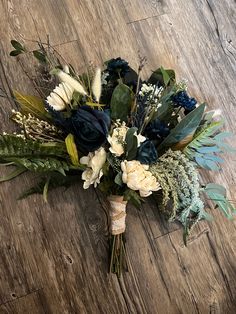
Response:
column 66, row 78
column 97, row 85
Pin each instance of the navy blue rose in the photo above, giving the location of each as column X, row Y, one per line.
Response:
column 147, row 153
column 89, row 126
column 117, row 66
column 157, row 130
column 181, row 99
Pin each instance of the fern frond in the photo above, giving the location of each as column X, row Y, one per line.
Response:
column 206, row 143
column 15, row 146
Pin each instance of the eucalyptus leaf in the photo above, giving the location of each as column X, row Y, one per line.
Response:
column 186, row 127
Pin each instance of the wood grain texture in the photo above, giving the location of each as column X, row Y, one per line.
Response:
column 53, row 257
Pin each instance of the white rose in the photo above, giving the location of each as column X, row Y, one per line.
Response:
column 138, row 178
column 93, row 173
column 117, row 140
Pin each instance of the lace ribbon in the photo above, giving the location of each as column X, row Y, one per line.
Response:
column 117, row 214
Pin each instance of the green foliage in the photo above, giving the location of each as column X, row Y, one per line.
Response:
column 40, row 56
column 121, row 102
column 50, row 182
column 32, row 104
column 118, row 179
column 131, row 143
column 217, row 193
column 45, row 164
column 180, row 188
column 71, row 149
column 133, row 197
column 162, row 77
column 33, row 155
column 186, row 127
column 12, row 146
column 206, row 143
column 13, row 174
column 114, row 162
column 18, row 48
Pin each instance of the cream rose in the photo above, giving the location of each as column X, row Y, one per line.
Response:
column 117, row 140
column 93, row 173
column 137, row 177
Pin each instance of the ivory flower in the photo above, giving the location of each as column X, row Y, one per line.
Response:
column 93, row 173
column 138, row 178
column 117, row 139
column 97, row 85
column 60, row 96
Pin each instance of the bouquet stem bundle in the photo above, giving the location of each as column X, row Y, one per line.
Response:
column 117, row 212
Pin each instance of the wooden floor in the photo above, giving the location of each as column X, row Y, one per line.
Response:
column 53, row 256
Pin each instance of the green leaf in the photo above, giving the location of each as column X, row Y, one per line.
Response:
column 217, row 188
column 131, row 143
column 56, row 180
column 118, row 179
column 217, row 194
column 12, row 175
column 15, row 53
column 32, row 104
column 121, row 102
column 17, row 45
column 72, row 149
column 163, row 77
column 186, row 127
column 40, row 56
column 133, row 197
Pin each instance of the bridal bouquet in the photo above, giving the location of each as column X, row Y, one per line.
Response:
column 126, row 136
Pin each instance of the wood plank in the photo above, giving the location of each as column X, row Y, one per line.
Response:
column 137, row 11
column 54, row 256
column 29, row 304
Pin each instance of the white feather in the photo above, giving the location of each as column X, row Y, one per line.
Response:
column 66, row 78
column 97, row 85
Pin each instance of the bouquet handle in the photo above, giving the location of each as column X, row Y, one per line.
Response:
column 117, row 213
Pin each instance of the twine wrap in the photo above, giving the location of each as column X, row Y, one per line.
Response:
column 117, row 214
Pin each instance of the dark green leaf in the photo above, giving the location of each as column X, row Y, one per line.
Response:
column 131, row 144
column 15, row 53
column 40, row 56
column 17, row 45
column 121, row 102
column 162, row 77
column 133, row 197
column 118, row 179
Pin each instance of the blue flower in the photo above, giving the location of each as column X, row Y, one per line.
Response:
column 147, row 153
column 157, row 130
column 118, row 65
column 89, row 126
column 181, row 99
